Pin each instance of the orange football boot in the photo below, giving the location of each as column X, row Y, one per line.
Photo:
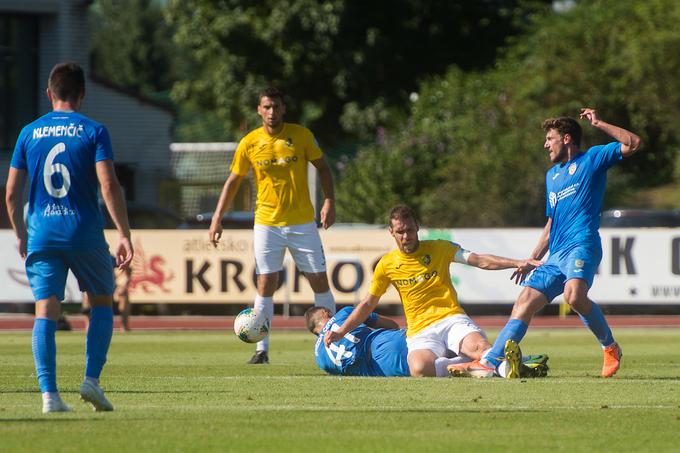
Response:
column 612, row 360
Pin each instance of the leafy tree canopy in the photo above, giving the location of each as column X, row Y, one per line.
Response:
column 132, row 47
column 347, row 65
column 471, row 152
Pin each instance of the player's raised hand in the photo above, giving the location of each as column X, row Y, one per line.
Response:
column 215, row 232
column 591, row 115
column 524, row 268
column 124, row 253
column 327, row 214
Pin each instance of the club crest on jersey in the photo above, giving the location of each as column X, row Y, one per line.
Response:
column 572, row 169
column 579, row 263
column 427, row 259
column 289, row 142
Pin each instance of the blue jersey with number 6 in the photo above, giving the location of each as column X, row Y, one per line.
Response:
column 364, row 351
column 59, row 151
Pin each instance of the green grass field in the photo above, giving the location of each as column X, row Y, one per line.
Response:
column 191, row 391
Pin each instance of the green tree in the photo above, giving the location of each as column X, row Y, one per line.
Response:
column 483, row 129
column 132, row 46
column 343, row 62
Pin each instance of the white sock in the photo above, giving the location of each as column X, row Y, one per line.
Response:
column 502, row 369
column 51, row 396
column 441, row 364
column 264, row 305
column 325, row 300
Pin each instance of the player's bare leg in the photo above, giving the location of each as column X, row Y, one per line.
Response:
column 528, row 303
column 122, row 296
column 473, row 346
column 323, row 297
column 124, row 308
column 421, row 363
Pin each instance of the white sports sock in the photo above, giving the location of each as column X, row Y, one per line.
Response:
column 502, row 369
column 264, row 305
column 441, row 364
column 325, row 300
column 51, row 396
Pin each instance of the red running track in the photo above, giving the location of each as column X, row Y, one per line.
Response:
column 25, row 322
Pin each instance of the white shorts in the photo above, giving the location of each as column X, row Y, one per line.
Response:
column 444, row 337
column 303, row 241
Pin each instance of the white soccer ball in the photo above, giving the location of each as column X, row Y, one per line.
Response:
column 251, row 326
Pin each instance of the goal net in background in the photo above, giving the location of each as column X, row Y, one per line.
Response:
column 199, row 171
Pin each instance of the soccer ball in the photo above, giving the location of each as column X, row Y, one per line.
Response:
column 251, row 326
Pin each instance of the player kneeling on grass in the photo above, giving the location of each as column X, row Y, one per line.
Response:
column 377, row 347
column 437, row 325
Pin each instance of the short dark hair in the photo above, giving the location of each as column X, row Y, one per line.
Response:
column 67, row 81
column 270, row 92
column 564, row 125
column 313, row 317
column 402, row 212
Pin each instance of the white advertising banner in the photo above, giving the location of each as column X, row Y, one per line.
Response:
column 638, row 266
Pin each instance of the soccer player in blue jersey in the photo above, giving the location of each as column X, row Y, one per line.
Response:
column 575, row 189
column 65, row 156
column 376, row 347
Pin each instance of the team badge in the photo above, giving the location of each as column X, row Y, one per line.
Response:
column 572, row 168
column 579, row 263
column 427, row 259
column 289, row 142
column 553, row 199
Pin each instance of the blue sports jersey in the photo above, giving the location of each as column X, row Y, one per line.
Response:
column 59, row 152
column 575, row 191
column 364, row 351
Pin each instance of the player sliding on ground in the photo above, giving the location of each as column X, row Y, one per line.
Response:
column 377, row 347
column 437, row 325
column 575, row 189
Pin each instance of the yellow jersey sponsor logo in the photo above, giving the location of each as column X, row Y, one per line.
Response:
column 415, row 280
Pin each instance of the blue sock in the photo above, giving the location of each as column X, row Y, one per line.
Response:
column 98, row 340
column 598, row 326
column 513, row 330
column 45, row 353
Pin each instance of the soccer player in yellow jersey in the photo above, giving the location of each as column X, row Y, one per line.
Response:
column 438, row 327
column 278, row 154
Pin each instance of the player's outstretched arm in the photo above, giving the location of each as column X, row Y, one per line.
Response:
column 226, row 197
column 327, row 214
column 115, row 204
column 494, row 262
column 16, row 179
column 359, row 315
column 630, row 142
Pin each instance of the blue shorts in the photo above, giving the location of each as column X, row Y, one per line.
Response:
column 389, row 354
column 577, row 262
column 47, row 271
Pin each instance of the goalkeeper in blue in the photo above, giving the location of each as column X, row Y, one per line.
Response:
column 65, row 156
column 575, row 188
